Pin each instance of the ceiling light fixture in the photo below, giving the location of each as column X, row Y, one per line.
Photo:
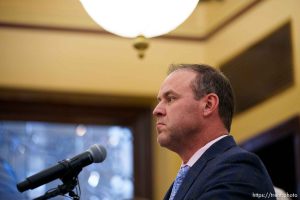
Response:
column 140, row 19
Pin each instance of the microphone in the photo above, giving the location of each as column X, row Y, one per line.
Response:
column 95, row 154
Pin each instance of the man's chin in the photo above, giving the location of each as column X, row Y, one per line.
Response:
column 165, row 143
column 162, row 140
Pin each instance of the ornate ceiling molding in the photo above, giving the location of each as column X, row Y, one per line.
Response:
column 203, row 38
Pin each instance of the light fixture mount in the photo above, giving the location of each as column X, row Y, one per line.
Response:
column 139, row 18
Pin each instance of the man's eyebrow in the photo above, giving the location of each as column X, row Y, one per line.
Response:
column 169, row 92
column 164, row 94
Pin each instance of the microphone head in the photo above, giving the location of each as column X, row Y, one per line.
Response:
column 98, row 153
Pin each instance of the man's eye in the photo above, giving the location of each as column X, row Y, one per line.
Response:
column 171, row 99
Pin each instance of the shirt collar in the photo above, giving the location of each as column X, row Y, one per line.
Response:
column 201, row 151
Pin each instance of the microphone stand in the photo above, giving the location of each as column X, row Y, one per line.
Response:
column 70, row 180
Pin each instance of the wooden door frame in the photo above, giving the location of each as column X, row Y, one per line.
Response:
column 291, row 127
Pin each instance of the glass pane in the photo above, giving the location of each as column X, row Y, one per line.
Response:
column 30, row 147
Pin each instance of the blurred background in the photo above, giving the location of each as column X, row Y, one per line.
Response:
column 66, row 83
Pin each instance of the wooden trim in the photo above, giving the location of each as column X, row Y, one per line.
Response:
column 40, row 27
column 290, row 128
column 218, row 28
column 297, row 159
column 207, row 36
column 24, row 95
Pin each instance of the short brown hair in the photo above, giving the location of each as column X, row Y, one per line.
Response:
column 211, row 80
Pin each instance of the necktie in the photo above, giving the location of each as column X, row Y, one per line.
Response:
column 179, row 178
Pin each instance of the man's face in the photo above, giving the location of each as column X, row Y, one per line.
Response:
column 178, row 113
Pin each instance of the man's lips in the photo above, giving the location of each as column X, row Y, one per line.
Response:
column 160, row 125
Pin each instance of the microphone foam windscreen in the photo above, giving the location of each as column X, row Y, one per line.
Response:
column 98, row 153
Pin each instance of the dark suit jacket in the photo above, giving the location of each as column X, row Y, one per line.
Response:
column 225, row 171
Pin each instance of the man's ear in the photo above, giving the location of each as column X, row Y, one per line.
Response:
column 211, row 105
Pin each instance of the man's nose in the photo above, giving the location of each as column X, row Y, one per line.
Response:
column 159, row 110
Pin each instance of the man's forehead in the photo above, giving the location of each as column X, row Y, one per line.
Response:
column 180, row 75
column 178, row 79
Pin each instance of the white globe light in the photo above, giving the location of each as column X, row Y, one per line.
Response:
column 132, row 18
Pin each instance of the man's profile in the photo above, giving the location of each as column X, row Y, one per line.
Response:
column 193, row 119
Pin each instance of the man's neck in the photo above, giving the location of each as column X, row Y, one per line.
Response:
column 197, row 143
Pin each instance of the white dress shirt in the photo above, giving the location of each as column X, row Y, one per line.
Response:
column 201, row 151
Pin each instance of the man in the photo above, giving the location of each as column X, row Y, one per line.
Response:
column 194, row 114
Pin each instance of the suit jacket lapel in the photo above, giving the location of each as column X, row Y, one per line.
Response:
column 217, row 148
column 167, row 195
column 191, row 177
